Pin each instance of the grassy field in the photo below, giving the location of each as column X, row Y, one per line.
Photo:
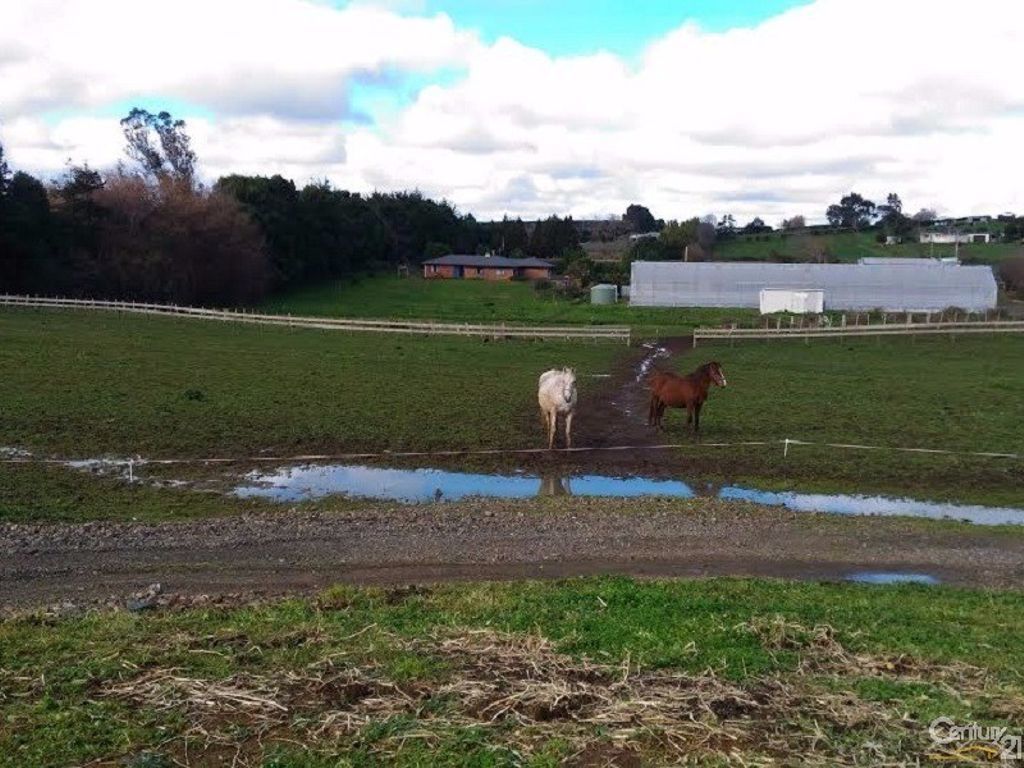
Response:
column 588, row 672
column 962, row 395
column 91, row 384
column 84, row 385
column 850, row 246
column 487, row 302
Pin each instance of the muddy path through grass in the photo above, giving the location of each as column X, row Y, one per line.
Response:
column 614, row 411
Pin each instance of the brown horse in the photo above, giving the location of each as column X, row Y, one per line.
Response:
column 689, row 392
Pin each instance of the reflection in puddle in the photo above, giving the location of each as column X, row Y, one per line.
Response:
column 419, row 485
column 416, row 485
column 881, row 577
column 877, row 505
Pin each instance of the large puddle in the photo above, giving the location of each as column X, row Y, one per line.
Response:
column 419, row 485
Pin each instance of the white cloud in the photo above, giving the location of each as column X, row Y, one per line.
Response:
column 915, row 97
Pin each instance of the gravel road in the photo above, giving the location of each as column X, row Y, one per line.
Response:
column 293, row 551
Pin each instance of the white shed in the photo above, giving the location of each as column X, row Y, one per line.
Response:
column 789, row 300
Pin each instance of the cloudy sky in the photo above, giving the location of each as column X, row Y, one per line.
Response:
column 533, row 107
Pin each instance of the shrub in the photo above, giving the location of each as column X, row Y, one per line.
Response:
column 1011, row 272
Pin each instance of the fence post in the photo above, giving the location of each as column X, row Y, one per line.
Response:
column 785, row 448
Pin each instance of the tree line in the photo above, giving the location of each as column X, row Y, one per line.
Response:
column 148, row 230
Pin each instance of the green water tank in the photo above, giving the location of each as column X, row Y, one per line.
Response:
column 603, row 294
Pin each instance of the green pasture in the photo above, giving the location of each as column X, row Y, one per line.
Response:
column 81, row 385
column 479, row 301
column 865, row 670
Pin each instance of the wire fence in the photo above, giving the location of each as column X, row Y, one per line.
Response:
column 616, row 333
column 785, row 445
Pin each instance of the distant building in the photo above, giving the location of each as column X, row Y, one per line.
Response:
column 893, row 239
column 459, row 267
column 949, row 238
column 918, row 285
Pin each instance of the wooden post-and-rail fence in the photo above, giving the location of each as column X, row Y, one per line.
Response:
column 426, row 327
column 948, row 327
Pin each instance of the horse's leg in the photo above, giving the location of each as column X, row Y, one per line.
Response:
column 657, row 408
column 552, row 426
column 662, row 405
column 568, row 430
column 696, row 419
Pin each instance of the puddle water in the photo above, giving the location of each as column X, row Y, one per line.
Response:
column 418, row 485
column 878, row 505
column 881, row 577
column 649, row 359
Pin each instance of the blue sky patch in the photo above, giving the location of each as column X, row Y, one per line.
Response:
column 574, row 27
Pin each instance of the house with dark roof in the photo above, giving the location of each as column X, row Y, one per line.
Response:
column 468, row 267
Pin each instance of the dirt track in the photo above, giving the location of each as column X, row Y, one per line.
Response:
column 272, row 554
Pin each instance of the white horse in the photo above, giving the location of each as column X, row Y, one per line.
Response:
column 556, row 393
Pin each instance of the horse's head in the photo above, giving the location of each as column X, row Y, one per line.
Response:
column 715, row 371
column 568, row 384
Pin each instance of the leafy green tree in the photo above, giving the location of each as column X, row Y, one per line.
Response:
column 756, row 226
column 26, row 232
column 853, row 212
column 509, row 236
column 78, row 224
column 652, row 249
column 676, row 236
column 1013, row 230
column 640, row 218
column 436, row 250
column 552, row 237
column 273, row 204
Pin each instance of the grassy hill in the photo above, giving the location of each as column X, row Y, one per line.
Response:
column 851, row 246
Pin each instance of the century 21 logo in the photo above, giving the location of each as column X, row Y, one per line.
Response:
column 946, row 733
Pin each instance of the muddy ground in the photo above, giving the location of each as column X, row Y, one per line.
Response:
column 393, row 544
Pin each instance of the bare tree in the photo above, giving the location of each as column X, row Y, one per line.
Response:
column 797, row 222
